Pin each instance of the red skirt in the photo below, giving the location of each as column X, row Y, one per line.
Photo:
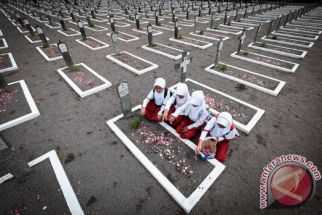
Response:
column 151, row 111
column 177, row 120
column 191, row 133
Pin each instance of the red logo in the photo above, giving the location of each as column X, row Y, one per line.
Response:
column 292, row 185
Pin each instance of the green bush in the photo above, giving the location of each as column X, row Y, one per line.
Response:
column 73, row 68
column 245, row 53
column 223, row 67
column 135, row 123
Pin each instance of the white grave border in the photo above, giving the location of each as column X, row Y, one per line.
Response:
column 134, row 38
column 209, row 37
column 5, row 44
column 295, row 36
column 49, row 26
column 5, row 178
column 138, row 72
column 274, row 92
column 92, row 28
column 154, row 33
column 207, row 45
column 46, row 56
column 186, row 203
column 69, row 35
column 296, row 65
column 225, row 32
column 289, row 43
column 245, row 128
column 74, row 86
column 13, row 64
column 31, row 103
column 34, row 41
column 279, row 52
column 104, row 45
column 66, row 187
column 174, row 57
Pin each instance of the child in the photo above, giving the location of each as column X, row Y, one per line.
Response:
column 154, row 104
column 221, row 128
column 194, row 114
column 178, row 99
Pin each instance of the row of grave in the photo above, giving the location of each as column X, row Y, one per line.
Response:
column 46, row 50
column 186, row 203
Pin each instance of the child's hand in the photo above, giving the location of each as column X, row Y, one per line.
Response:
column 199, row 147
column 142, row 111
column 171, row 119
column 165, row 115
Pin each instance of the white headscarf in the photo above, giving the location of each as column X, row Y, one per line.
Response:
column 197, row 98
column 159, row 97
column 224, row 119
column 182, row 90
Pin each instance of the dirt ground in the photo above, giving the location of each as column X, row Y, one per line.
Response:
column 106, row 177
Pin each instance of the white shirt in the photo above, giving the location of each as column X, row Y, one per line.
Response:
column 159, row 99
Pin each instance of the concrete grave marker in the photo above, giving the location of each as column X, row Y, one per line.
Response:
column 62, row 47
column 241, row 39
column 114, row 38
column 185, row 61
column 42, row 36
column 219, row 48
column 124, row 95
column 81, row 29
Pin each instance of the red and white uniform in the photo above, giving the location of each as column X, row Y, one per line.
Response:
column 194, row 114
column 155, row 102
column 223, row 135
column 175, row 102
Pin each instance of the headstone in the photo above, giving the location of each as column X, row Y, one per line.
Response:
column 173, row 15
column 62, row 47
column 150, row 36
column 42, row 36
column 114, row 41
column 195, row 24
column 176, row 29
column 28, row 26
column 219, row 48
column 270, row 27
column 245, row 14
column 72, row 15
column 236, row 14
column 62, row 23
column 187, row 15
column 156, row 19
column 137, row 21
column 185, row 60
column 112, row 22
column 286, row 19
column 49, row 17
column 279, row 22
column 225, row 18
column 258, row 29
column 88, row 18
column 93, row 13
column 241, row 39
column 124, row 95
column 81, row 29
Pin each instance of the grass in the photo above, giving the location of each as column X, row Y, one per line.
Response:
column 229, row 23
column 6, row 89
column 180, row 37
column 223, row 67
column 153, row 45
column 274, row 37
column 73, row 68
column 263, row 44
column 159, row 24
column 135, row 123
column 245, row 53
column 201, row 32
column 45, row 45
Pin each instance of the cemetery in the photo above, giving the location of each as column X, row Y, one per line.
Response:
column 91, row 113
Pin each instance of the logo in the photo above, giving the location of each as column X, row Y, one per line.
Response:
column 288, row 180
